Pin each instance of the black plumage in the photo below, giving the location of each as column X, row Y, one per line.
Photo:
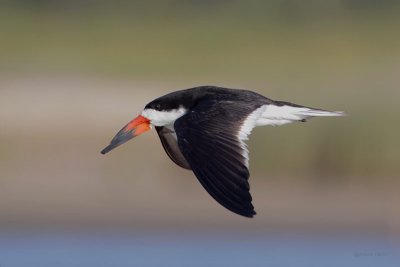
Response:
column 203, row 129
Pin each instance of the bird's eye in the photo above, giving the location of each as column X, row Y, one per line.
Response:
column 158, row 106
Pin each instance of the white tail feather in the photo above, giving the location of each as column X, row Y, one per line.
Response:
column 321, row 113
column 279, row 115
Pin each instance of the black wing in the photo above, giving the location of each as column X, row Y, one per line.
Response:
column 170, row 144
column 208, row 137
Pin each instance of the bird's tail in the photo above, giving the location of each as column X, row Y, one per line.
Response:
column 284, row 112
column 310, row 112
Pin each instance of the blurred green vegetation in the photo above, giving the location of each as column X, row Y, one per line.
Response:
column 220, row 39
column 334, row 54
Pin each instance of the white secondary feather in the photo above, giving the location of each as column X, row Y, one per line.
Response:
column 249, row 123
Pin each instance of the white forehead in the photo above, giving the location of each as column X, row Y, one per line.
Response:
column 162, row 118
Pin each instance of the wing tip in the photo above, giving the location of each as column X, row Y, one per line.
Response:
column 248, row 214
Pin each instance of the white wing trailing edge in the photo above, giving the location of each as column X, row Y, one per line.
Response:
column 247, row 126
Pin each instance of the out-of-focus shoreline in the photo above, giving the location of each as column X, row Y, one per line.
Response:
column 53, row 176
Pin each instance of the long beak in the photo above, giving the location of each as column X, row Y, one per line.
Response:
column 135, row 127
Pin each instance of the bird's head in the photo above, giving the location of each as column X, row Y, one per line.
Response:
column 156, row 113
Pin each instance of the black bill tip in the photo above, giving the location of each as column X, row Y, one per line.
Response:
column 135, row 127
column 107, row 149
column 121, row 137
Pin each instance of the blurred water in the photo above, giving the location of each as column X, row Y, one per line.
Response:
column 194, row 249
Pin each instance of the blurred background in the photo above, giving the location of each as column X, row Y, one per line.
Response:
column 72, row 73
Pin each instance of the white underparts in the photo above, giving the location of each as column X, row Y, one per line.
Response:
column 162, row 118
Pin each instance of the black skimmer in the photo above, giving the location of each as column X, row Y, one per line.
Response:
column 204, row 129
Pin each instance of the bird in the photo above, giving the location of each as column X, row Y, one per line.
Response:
column 204, row 129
